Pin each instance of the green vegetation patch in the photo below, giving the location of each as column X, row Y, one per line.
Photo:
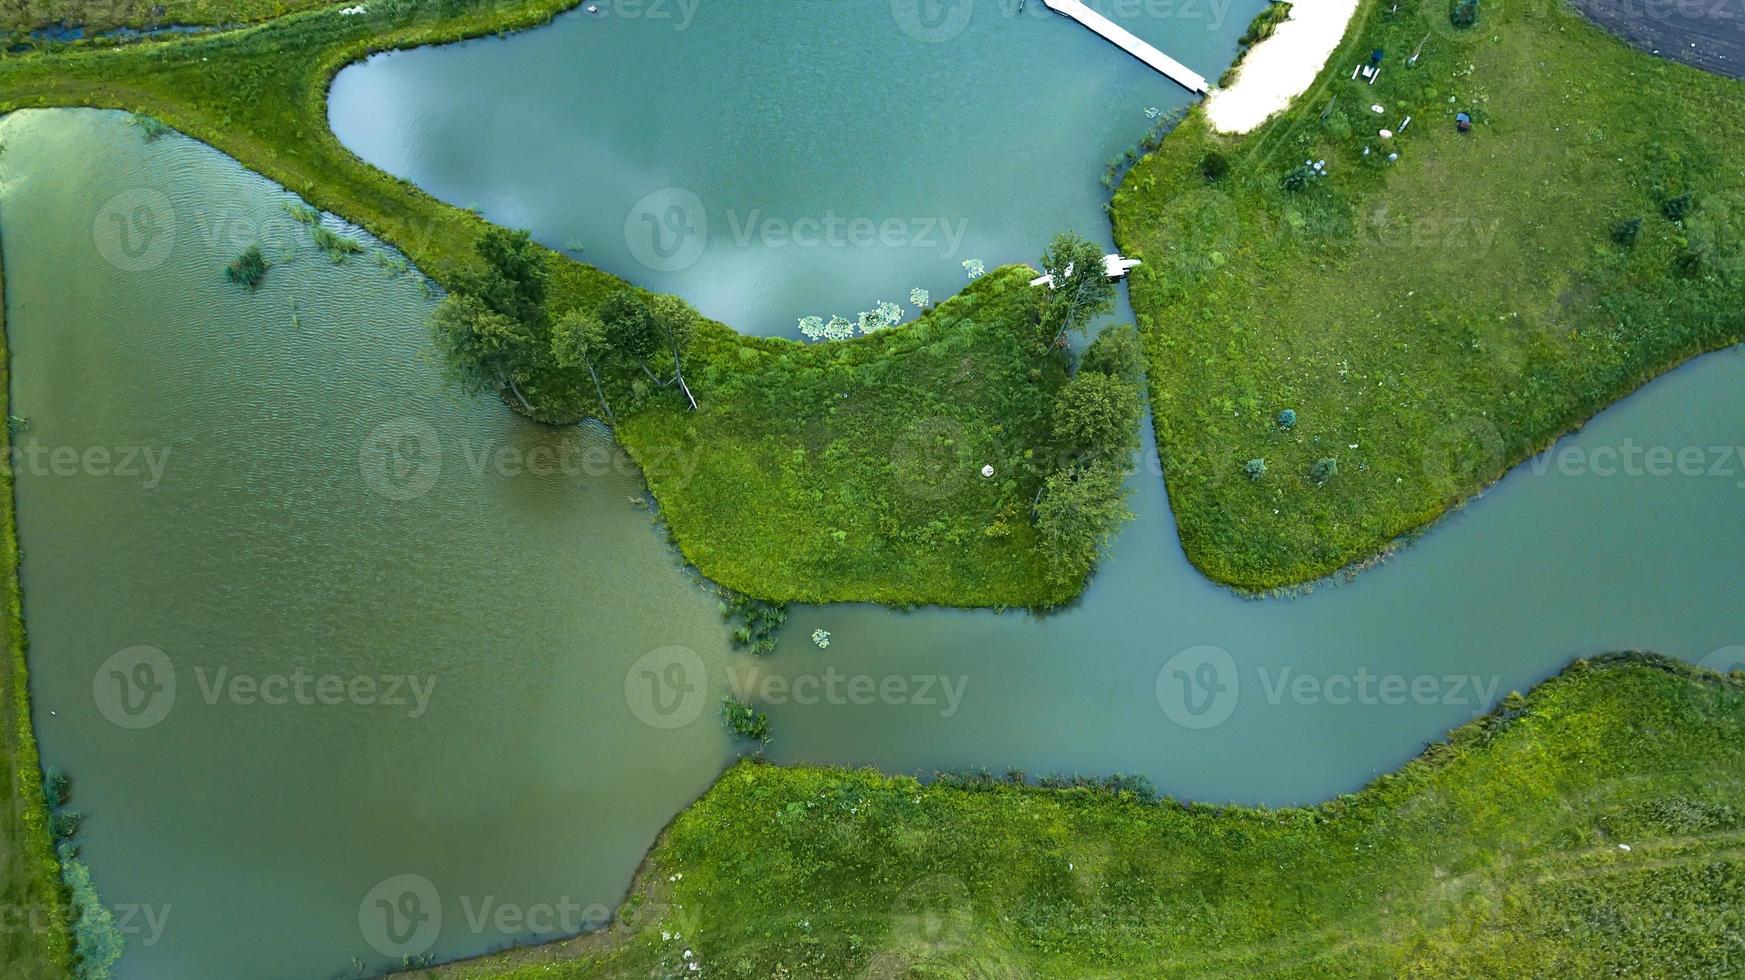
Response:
column 34, row 943
column 1594, row 828
column 1436, row 318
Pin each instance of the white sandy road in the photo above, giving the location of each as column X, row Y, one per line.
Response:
column 1279, row 68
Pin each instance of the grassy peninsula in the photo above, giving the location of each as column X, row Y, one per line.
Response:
column 1595, row 827
column 1430, row 320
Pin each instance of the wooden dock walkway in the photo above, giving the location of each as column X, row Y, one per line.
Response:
column 1121, row 37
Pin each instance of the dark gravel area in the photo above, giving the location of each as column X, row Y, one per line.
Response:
column 1708, row 34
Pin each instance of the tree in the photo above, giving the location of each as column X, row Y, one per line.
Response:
column 1097, row 415
column 493, row 329
column 1116, row 352
column 630, row 328
column 515, row 276
column 1077, row 514
column 578, row 339
column 1081, row 290
column 676, row 322
column 483, row 349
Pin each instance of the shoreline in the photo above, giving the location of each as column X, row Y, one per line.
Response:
column 1281, row 67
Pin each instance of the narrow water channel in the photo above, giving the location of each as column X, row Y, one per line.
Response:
column 525, row 588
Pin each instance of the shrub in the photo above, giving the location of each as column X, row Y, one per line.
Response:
column 743, row 720
column 1627, row 231
column 1677, row 208
column 1254, row 468
column 57, row 787
column 65, row 823
column 1463, row 14
column 1325, row 468
column 248, row 269
column 1298, row 178
column 1116, row 353
column 1287, row 418
column 1213, row 166
column 335, row 246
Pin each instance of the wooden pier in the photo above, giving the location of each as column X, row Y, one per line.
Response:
column 1124, row 39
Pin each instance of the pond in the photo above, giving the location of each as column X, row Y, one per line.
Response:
column 504, row 680
column 788, row 158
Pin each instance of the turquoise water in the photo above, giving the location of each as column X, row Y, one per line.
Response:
column 320, row 504
column 774, row 160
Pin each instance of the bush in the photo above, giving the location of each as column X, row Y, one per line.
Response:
column 1298, row 178
column 65, row 823
column 1254, row 468
column 57, row 787
column 1463, row 14
column 336, row 246
column 743, row 720
column 1627, row 231
column 1213, row 166
column 1116, row 353
column 248, row 269
column 1325, row 468
column 1287, row 419
column 1677, row 208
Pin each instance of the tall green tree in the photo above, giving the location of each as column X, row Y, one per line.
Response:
column 1077, row 514
column 1081, row 291
column 630, row 328
column 1097, row 415
column 578, row 339
column 676, row 322
column 482, row 349
column 493, row 329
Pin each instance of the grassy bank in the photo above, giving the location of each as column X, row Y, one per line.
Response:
column 811, row 472
column 102, row 15
column 34, row 936
column 1435, row 320
column 1497, row 853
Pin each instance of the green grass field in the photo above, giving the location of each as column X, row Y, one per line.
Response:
column 33, row 937
column 1497, row 853
column 1434, row 321
column 101, row 15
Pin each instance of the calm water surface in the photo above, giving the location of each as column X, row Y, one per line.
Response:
column 324, row 507
column 773, row 160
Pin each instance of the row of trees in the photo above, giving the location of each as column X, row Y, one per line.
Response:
column 496, row 333
column 1096, row 423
